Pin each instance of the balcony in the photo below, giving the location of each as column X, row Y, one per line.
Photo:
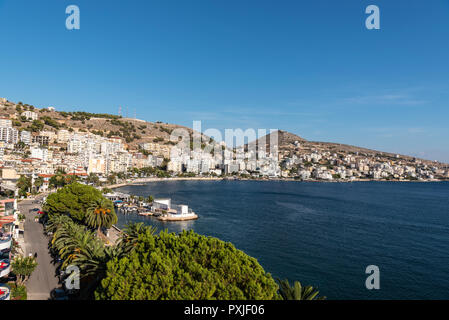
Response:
column 5, row 292
column 5, row 268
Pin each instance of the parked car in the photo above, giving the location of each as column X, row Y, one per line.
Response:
column 9, row 278
column 59, row 294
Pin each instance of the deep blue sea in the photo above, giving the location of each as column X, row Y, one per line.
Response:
column 325, row 234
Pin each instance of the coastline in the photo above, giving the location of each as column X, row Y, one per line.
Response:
column 148, row 180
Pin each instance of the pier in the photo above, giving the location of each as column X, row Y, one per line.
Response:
column 161, row 209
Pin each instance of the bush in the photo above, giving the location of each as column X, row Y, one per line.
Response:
column 187, row 266
column 18, row 292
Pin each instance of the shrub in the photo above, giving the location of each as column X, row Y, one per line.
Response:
column 185, row 267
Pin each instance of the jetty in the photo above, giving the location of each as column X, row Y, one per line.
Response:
column 161, row 209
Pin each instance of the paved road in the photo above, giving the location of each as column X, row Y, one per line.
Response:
column 43, row 280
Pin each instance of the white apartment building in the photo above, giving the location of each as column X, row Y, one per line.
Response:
column 63, row 136
column 5, row 122
column 30, row 115
column 9, row 135
column 39, row 153
column 156, row 149
column 25, row 137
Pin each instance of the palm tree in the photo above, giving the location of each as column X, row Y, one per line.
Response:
column 93, row 178
column 130, row 236
column 56, row 221
column 297, row 292
column 101, row 214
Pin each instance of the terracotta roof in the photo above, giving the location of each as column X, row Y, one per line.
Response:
column 76, row 174
column 45, row 175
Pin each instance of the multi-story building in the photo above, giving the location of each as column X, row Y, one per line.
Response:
column 39, row 153
column 63, row 136
column 30, row 115
column 156, row 149
column 25, row 137
column 97, row 165
column 9, row 135
column 5, row 122
column 41, row 139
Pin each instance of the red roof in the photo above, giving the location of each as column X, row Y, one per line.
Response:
column 45, row 175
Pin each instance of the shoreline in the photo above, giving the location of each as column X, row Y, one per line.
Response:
column 143, row 181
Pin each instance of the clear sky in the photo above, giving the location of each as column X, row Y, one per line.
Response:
column 308, row 67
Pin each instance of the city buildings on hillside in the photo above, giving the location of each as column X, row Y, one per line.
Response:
column 44, row 153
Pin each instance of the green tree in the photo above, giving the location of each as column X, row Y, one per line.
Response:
column 76, row 245
column 93, row 178
column 106, row 190
column 112, row 179
column 130, row 237
column 183, row 267
column 101, row 214
column 73, row 200
column 57, row 181
column 37, row 126
column 38, row 182
column 297, row 291
column 24, row 185
column 23, row 267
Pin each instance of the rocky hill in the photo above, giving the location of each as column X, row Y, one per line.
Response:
column 135, row 131
column 290, row 144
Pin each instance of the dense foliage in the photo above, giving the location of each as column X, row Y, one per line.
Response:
column 74, row 199
column 185, row 266
column 23, row 267
column 18, row 292
column 24, row 185
column 80, row 115
column 61, row 179
column 145, row 266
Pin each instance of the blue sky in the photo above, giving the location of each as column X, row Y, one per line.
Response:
column 309, row 67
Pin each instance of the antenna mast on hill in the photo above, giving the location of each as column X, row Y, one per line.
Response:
column 135, row 114
column 119, row 111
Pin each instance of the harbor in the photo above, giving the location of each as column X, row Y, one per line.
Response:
column 160, row 209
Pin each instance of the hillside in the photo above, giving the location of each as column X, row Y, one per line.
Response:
column 290, row 144
column 135, row 131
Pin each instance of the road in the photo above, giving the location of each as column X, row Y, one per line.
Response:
column 44, row 279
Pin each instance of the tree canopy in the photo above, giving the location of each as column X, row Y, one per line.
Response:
column 101, row 214
column 23, row 267
column 74, row 199
column 24, row 185
column 183, row 267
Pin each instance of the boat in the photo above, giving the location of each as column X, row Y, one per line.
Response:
column 178, row 217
